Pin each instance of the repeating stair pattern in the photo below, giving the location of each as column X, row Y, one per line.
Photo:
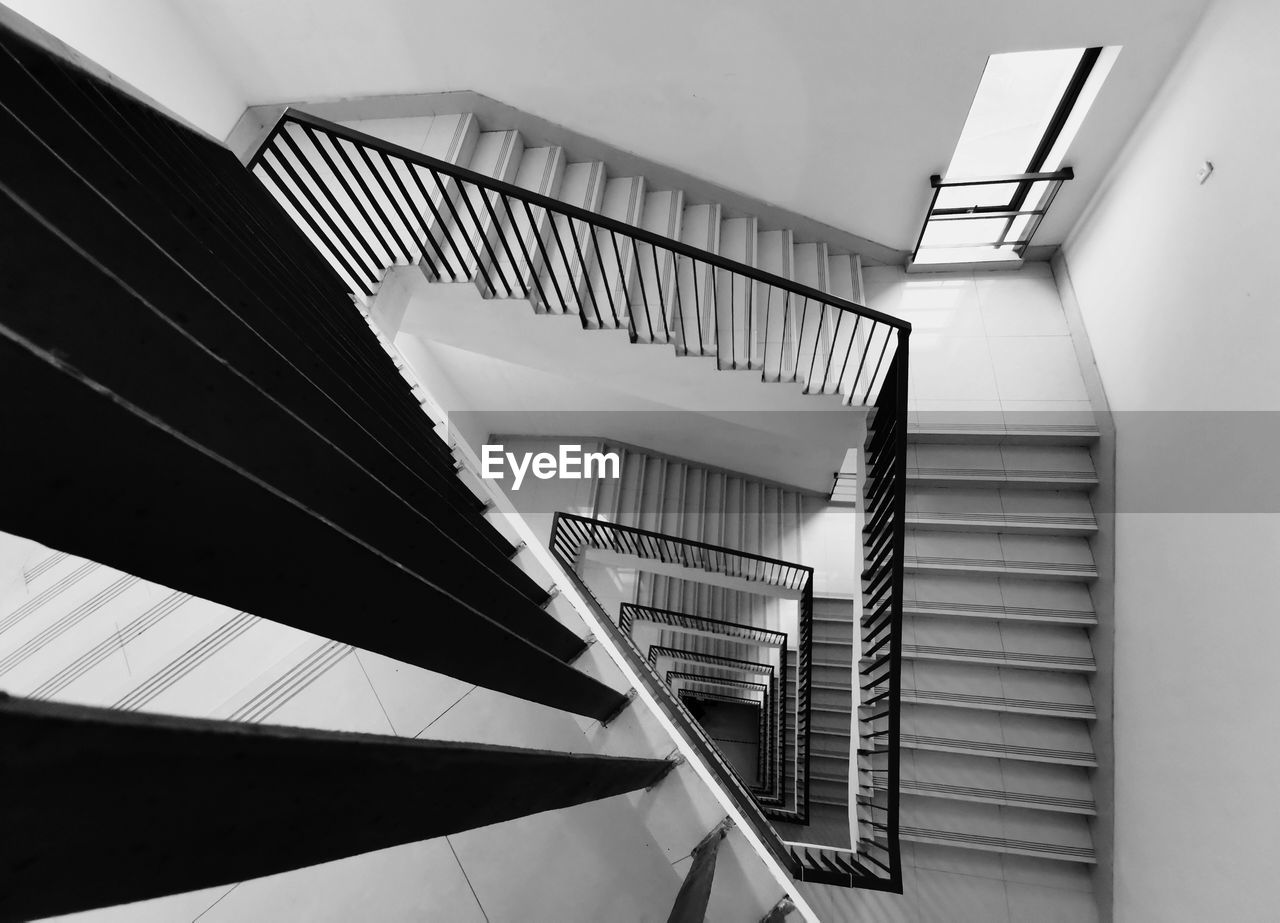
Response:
column 996, row 700
column 470, row 205
column 690, row 500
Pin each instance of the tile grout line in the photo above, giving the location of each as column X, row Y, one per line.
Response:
column 445, row 712
column 466, row 877
column 217, row 902
column 390, row 723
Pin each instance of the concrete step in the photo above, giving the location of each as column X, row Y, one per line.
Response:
column 936, row 837
column 611, row 270
column 654, row 285
column 1013, row 659
column 541, row 170
column 949, row 699
column 735, row 302
column 992, row 828
column 1033, row 786
column 976, row 553
column 998, row 750
column 998, row 429
column 998, row 597
column 772, row 311
column 1037, row 467
column 571, row 245
column 700, row 227
column 1035, row 738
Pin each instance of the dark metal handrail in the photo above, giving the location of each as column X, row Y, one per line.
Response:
column 585, row 532
column 368, row 204
column 634, row 612
column 687, row 552
column 1009, row 211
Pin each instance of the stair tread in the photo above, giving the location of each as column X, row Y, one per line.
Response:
column 999, row 657
column 993, row 702
column 997, row 844
column 994, row 611
column 1003, row 522
column 1012, row 476
column 1002, row 750
column 946, row 564
column 1026, row 800
column 959, row 432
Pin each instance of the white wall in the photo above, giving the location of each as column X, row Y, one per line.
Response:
column 1174, row 282
column 149, row 44
column 839, row 109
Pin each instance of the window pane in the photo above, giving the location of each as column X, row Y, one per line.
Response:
column 954, row 233
column 1016, row 98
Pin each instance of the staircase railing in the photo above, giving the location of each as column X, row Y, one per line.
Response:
column 696, row 686
column 368, row 205
column 988, row 214
column 884, row 536
column 629, row 613
column 572, row 534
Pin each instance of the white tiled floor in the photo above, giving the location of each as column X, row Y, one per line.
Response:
column 995, row 342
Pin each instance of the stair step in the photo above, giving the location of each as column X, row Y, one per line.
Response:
column 834, row 653
column 829, row 790
column 962, row 432
column 945, row 698
column 918, row 564
column 997, row 844
column 612, row 268
column 497, row 154
column 1032, row 614
column 983, row 780
column 699, row 227
column 541, row 170
column 993, row 796
column 999, row 828
column 1024, row 660
column 775, row 322
column 653, row 287
column 998, row 477
column 1035, row 556
column 998, row 750
column 571, row 246
column 1014, row 523
column 736, row 307
column 832, row 631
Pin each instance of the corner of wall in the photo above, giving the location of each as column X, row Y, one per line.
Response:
column 1103, row 593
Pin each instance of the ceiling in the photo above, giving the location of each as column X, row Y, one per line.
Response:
column 837, row 109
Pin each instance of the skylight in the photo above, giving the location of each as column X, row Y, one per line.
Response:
column 1027, row 108
column 1015, row 102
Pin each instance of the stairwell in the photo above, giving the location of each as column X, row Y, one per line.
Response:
column 996, row 698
